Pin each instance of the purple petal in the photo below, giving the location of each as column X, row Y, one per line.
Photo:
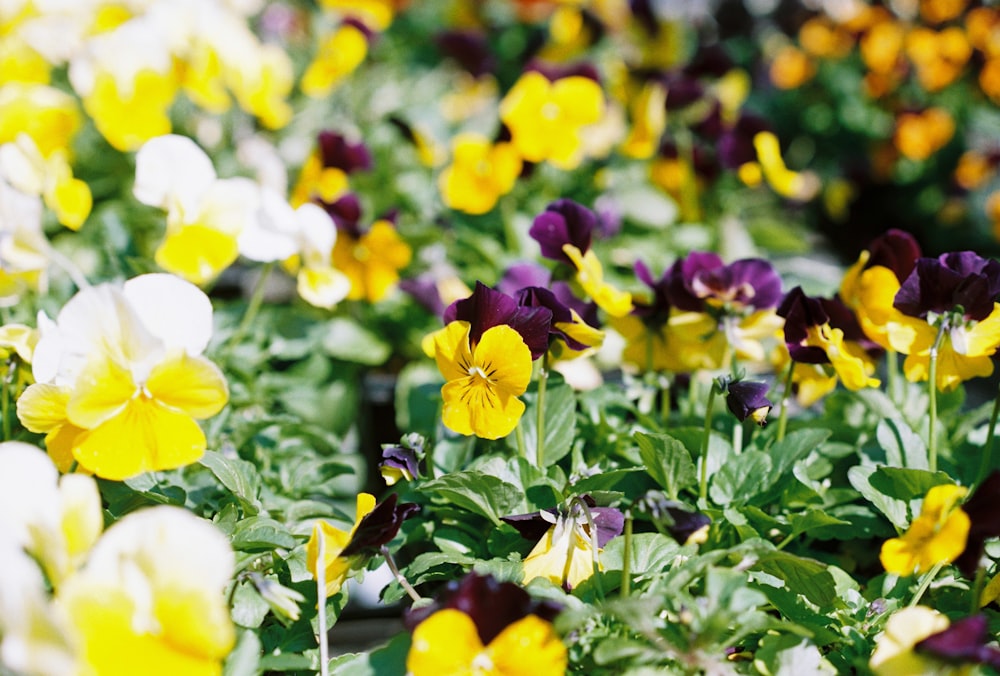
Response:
column 424, row 290
column 346, row 214
column 896, row 250
column 521, row 275
column 379, row 526
column 942, row 284
column 563, row 222
column 735, row 146
column 609, row 522
column 745, row 398
column 336, row 151
column 962, row 642
column 401, row 458
column 759, row 277
column 487, row 308
column 800, row 313
column 470, row 49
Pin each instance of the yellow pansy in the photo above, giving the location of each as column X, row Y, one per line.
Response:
column 590, row 275
column 339, row 56
column 564, row 555
column 336, row 568
column 23, row 164
column 649, row 120
column 447, row 644
column 121, row 380
column 546, row 119
column 937, row 536
column 480, row 173
column 483, row 381
column 894, row 654
column 371, row 260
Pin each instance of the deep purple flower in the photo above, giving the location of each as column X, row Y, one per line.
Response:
column 736, row 145
column 346, row 213
column 702, row 279
column 336, row 151
column 709, row 61
column 960, row 279
column 655, row 313
column 801, row 312
column 963, row 642
column 491, row 605
column 748, row 399
column 533, row 526
column 536, row 296
column 487, row 308
column 470, row 49
column 379, row 526
column 896, row 250
column 984, row 523
column 563, row 222
column 671, row 517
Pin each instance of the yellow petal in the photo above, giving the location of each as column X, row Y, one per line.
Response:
column 102, row 391
column 451, row 350
column 561, row 556
column 197, row 253
column 82, row 518
column 528, row 646
column 336, row 569
column 191, row 385
column 590, row 274
column 71, row 200
column 42, row 407
column 445, row 644
column 144, row 436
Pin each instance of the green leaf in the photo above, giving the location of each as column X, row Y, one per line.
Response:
column 287, row 662
column 903, row 447
column 347, row 340
column 790, row 654
column 389, row 660
column 741, row 478
column 797, row 445
column 816, row 522
column 894, row 509
column 560, row 421
column 260, row 532
column 651, row 553
column 667, row 461
column 238, row 476
column 907, row 484
column 249, row 608
column 805, row 576
column 244, row 660
column 477, row 492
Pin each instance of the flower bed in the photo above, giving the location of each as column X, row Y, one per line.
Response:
column 629, row 338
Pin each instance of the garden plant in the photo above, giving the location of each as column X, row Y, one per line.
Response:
column 624, row 336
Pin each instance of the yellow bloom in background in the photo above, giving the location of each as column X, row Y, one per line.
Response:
column 483, row 381
column 340, row 55
column 336, row 568
column 590, row 275
column 121, row 380
column 938, row 535
column 150, row 598
column 479, row 174
column 787, row 183
column 920, row 135
column 649, row 120
column 24, row 250
column 791, row 68
column 48, row 115
column 447, row 644
column 371, row 260
column 894, row 655
column 546, row 119
column 317, row 281
column 24, row 166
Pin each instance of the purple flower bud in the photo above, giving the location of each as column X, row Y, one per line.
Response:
column 747, row 399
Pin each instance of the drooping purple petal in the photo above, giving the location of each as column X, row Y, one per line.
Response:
column 958, row 279
column 801, row 312
column 896, row 250
column 379, row 526
column 563, row 222
column 964, row 642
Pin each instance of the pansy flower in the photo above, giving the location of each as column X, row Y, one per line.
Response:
column 870, row 285
column 121, row 380
column 485, row 352
column 748, row 399
column 949, row 305
column 24, row 249
column 825, row 343
column 564, row 232
column 345, row 552
column 401, row 462
column 569, row 335
column 323, row 176
column 338, row 56
column 484, row 626
column 937, row 536
column 894, row 648
column 566, row 548
column 479, row 174
column 371, row 258
column 547, row 119
column 677, row 520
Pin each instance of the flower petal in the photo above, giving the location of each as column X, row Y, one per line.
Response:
column 444, row 643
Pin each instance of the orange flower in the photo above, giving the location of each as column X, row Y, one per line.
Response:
column 791, row 68
column 920, row 135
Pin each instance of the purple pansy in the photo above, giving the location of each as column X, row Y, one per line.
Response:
column 802, row 312
column 671, row 517
column 336, row 151
column 536, row 296
column 403, row 460
column 346, row 213
column 563, row 222
column 487, row 308
column 656, row 312
column 960, row 279
column 896, row 250
column 703, row 279
column 379, row 526
column 964, row 642
column 470, row 50
column 492, row 605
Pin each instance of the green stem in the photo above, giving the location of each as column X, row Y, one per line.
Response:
column 892, row 373
column 324, row 646
column 785, row 396
column 986, row 460
column 253, row 307
column 543, row 377
column 703, row 482
column 690, row 207
column 522, row 446
column 403, row 582
column 665, row 400
column 627, row 557
column 932, row 449
column 925, row 583
column 585, row 508
column 977, row 590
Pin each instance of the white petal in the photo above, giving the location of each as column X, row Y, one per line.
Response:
column 173, row 173
column 28, row 493
column 23, row 165
column 271, row 236
column 230, row 205
column 317, row 233
column 176, row 312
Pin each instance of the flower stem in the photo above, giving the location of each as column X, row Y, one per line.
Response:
column 977, row 590
column 664, row 400
column 703, row 482
column 522, row 445
column 986, row 460
column 690, row 207
column 925, row 583
column 892, row 374
column 627, row 557
column 403, row 582
column 785, row 396
column 585, row 508
column 253, row 307
column 932, row 449
column 543, row 377
column 324, row 646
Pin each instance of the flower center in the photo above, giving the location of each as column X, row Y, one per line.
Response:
column 482, row 663
column 550, row 111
